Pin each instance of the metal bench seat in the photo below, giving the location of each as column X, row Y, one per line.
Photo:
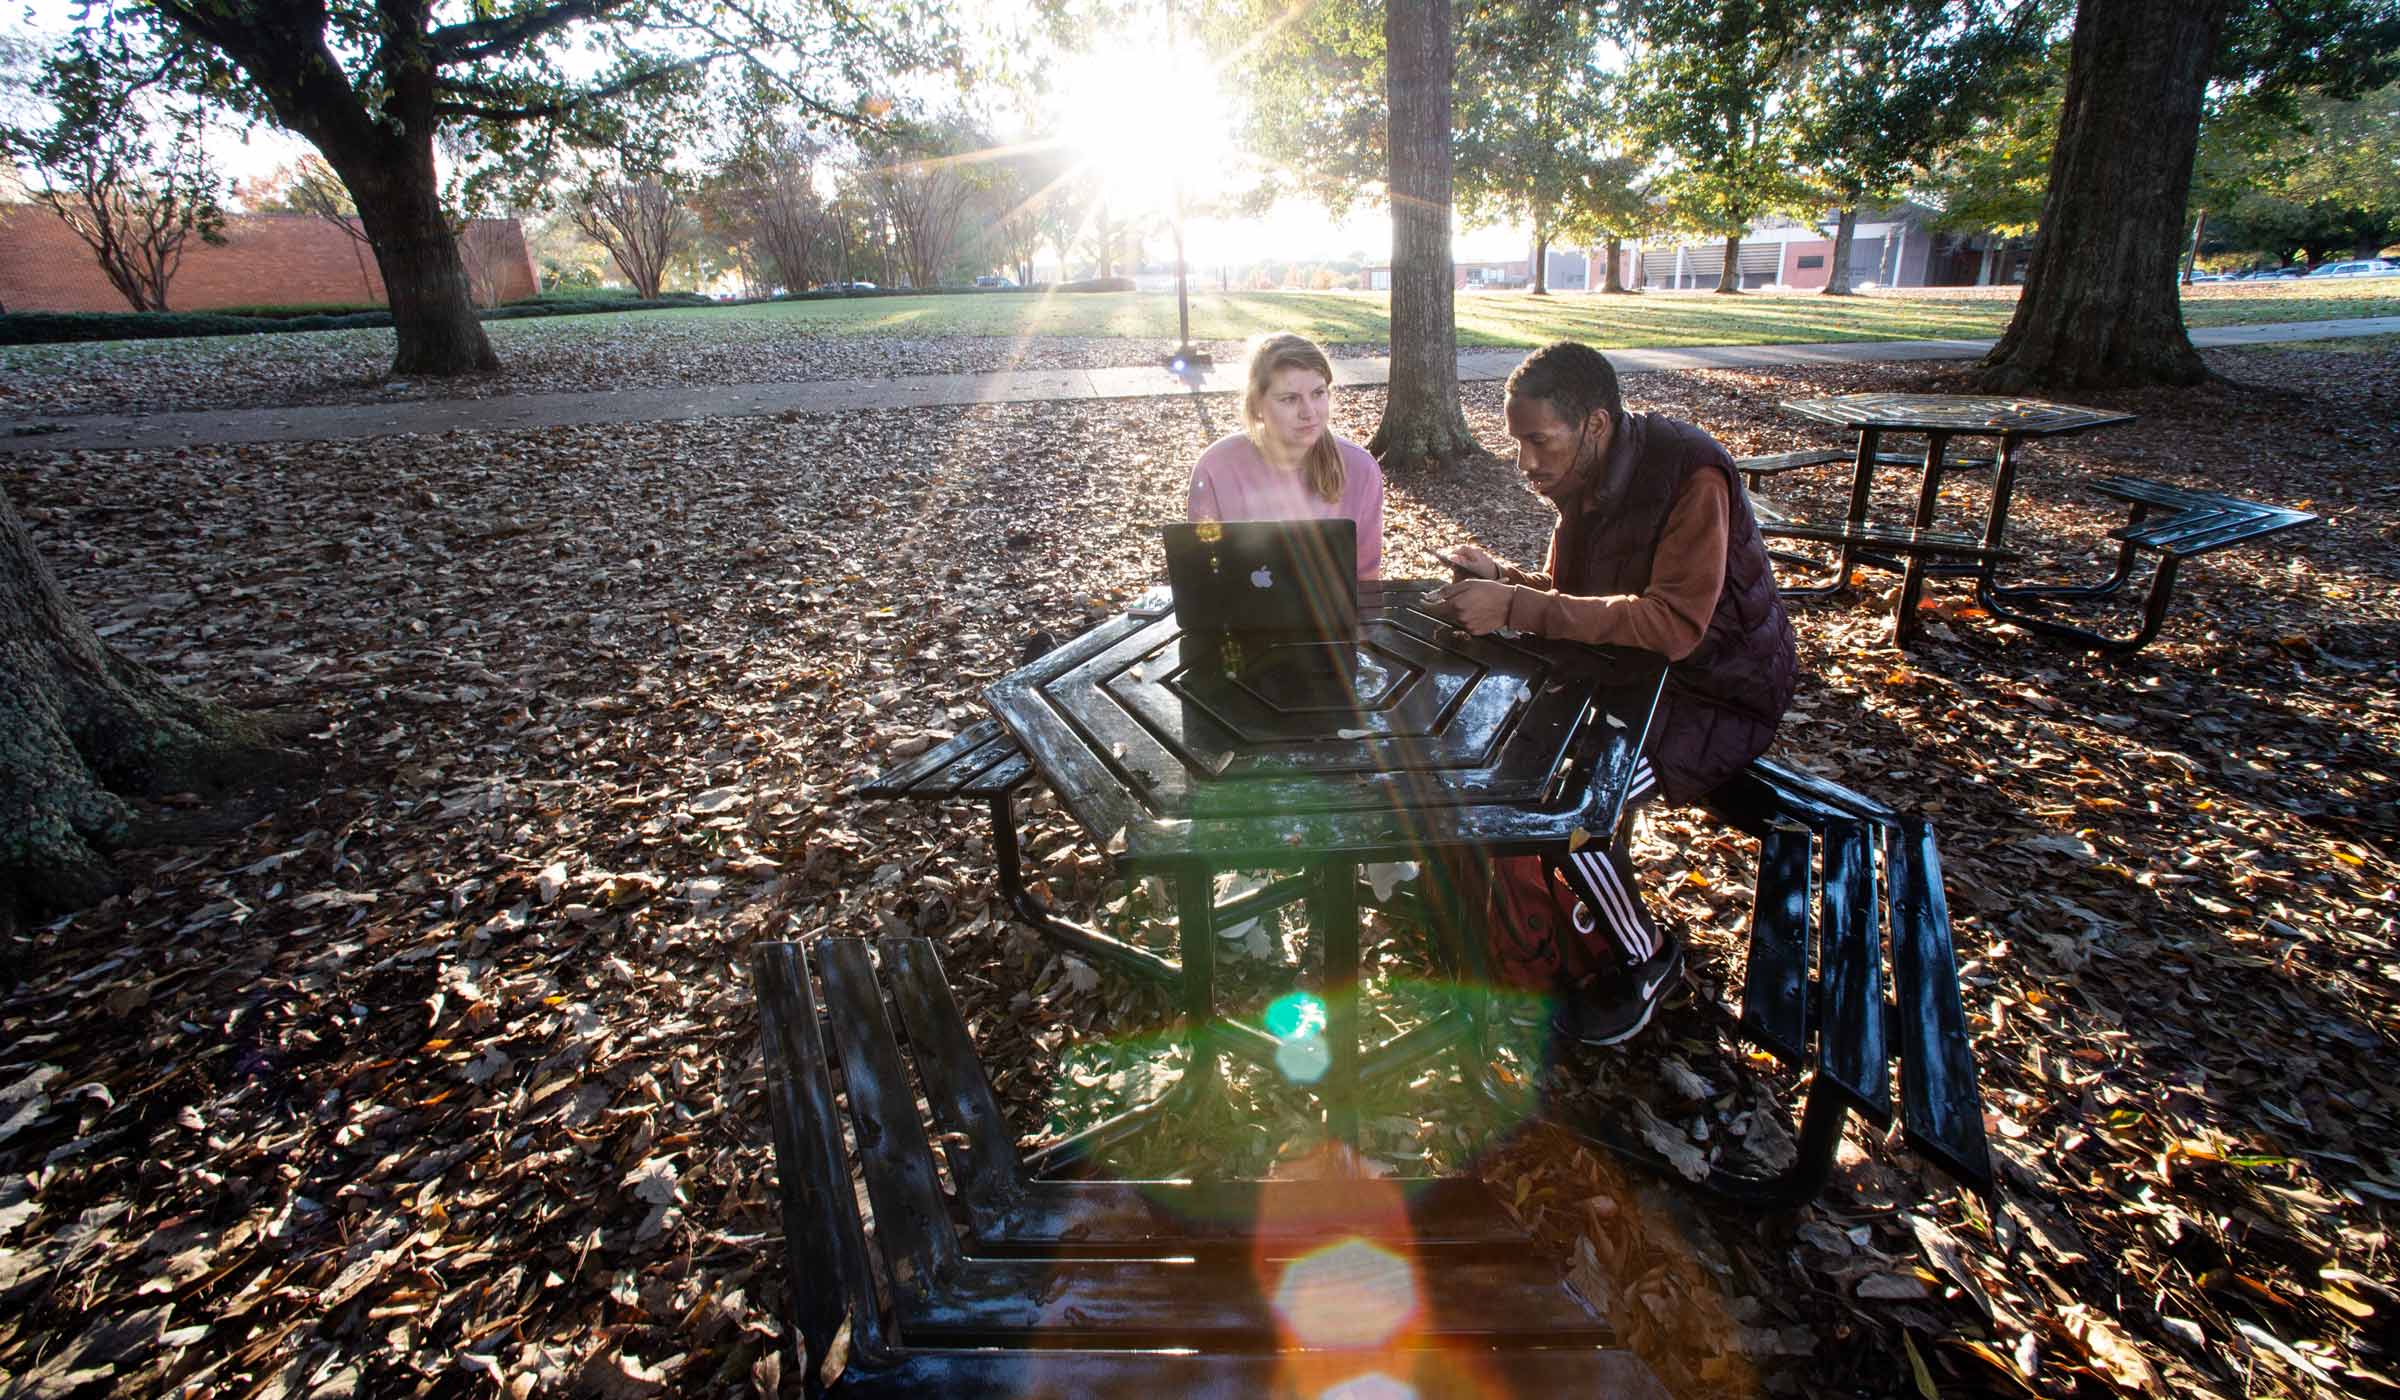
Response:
column 1064, row 1285
column 1817, row 974
column 1775, row 463
column 1887, row 546
column 2174, row 523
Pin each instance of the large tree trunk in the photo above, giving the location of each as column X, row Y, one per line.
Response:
column 81, row 727
column 2100, row 308
column 1541, row 260
column 1729, row 279
column 1612, row 280
column 1421, row 423
column 1845, row 232
column 392, row 182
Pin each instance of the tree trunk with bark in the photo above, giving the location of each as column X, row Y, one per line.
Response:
column 1422, row 423
column 81, row 729
column 1729, row 278
column 1613, row 281
column 2100, row 307
column 1845, row 232
column 1541, row 260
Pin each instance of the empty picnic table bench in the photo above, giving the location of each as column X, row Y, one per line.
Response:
column 2173, row 522
column 1009, row 1285
column 1817, row 993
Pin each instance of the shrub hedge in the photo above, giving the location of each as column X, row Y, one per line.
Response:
column 57, row 327
column 53, row 327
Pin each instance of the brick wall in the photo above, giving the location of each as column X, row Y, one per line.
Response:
column 266, row 260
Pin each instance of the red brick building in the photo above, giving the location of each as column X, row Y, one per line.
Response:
column 266, row 260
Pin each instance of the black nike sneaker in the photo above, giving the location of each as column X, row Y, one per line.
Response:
column 1613, row 1007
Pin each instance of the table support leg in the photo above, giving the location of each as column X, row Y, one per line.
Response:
column 1074, row 937
column 1333, row 911
column 1195, row 931
column 1196, row 937
column 1912, row 577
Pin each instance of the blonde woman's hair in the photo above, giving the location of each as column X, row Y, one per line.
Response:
column 1321, row 466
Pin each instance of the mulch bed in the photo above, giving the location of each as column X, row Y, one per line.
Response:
column 441, row 1075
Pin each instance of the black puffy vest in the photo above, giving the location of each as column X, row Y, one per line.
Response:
column 1722, row 701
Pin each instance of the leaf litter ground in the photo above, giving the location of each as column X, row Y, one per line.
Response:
column 442, row 1075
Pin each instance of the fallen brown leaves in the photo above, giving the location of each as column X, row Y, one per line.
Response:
column 444, row 1076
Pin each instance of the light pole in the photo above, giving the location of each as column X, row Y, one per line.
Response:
column 1184, row 361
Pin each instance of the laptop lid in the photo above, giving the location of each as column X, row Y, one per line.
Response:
column 1265, row 575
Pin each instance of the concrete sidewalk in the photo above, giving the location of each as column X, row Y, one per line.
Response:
column 936, row 390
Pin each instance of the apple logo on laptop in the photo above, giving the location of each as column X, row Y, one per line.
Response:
column 1262, row 578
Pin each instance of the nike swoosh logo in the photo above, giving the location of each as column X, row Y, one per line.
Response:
column 1650, row 988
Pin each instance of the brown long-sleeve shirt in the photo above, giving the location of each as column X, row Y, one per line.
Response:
column 1671, row 614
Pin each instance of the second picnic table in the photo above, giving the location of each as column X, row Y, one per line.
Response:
column 1938, row 418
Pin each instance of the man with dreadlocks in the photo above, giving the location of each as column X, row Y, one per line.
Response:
column 1655, row 548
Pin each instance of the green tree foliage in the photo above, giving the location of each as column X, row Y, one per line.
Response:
column 371, row 82
column 1991, row 177
column 1715, row 84
column 2100, row 306
column 1892, row 81
column 1531, row 116
column 2319, row 177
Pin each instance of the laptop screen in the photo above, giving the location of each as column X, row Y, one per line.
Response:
column 1265, row 575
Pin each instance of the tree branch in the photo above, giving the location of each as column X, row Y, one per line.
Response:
column 484, row 38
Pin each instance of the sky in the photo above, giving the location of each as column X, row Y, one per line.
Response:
column 1123, row 108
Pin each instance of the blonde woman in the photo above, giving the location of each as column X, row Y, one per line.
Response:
column 1287, row 464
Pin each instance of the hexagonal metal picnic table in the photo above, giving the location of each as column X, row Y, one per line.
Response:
column 1187, row 754
column 1938, row 418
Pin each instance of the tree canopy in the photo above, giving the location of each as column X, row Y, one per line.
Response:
column 370, row 83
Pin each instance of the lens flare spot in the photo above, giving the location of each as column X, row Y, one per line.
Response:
column 1374, row 1385
column 1295, row 1013
column 1303, row 1059
column 1297, row 1021
column 1349, row 1295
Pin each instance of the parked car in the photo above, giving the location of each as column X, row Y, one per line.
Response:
column 991, row 281
column 2361, row 267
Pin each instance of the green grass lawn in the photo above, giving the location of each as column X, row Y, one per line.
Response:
column 1514, row 318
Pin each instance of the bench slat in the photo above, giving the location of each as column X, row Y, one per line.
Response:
column 1799, row 782
column 1940, row 1099
column 975, row 1134
column 1851, row 1049
column 952, row 778
column 1271, row 1219
column 1000, row 777
column 825, row 1250
column 893, row 1151
column 1010, row 1375
column 1775, row 989
column 897, row 781
column 2208, row 536
column 1222, row 1304
column 1773, row 462
column 1904, row 539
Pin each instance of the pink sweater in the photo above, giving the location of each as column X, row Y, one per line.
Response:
column 1232, row 482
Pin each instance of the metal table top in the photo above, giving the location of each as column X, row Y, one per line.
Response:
column 1972, row 415
column 1174, row 748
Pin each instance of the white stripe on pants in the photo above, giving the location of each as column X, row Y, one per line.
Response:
column 1603, row 878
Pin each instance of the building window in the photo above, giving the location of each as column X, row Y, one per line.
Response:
column 1808, row 260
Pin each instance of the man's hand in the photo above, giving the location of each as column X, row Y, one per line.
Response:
column 1470, row 561
column 1474, row 605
